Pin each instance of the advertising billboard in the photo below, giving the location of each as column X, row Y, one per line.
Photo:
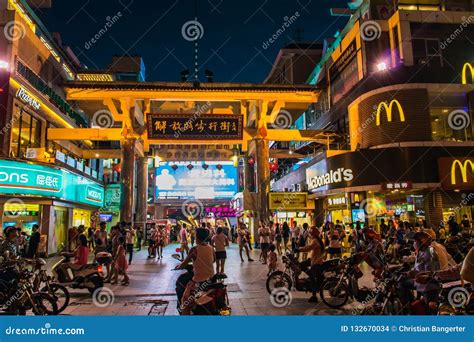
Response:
column 201, row 180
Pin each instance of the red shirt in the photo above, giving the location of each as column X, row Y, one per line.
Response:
column 82, row 253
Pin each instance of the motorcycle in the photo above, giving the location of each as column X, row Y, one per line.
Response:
column 296, row 274
column 44, row 283
column 17, row 295
column 209, row 297
column 385, row 294
column 336, row 291
column 77, row 277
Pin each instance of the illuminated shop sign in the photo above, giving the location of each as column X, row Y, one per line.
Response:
column 42, row 87
column 465, row 68
column 193, row 180
column 177, row 126
column 397, row 186
column 456, row 173
column 18, row 178
column 95, row 77
column 220, row 211
column 337, row 201
column 317, row 178
column 288, row 200
column 25, row 96
column 389, row 111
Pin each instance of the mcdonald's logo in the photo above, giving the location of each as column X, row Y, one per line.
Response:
column 465, row 68
column 463, row 167
column 388, row 110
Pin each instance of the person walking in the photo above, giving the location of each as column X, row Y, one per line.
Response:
column 183, row 238
column 129, row 241
column 272, row 259
column 139, row 239
column 120, row 264
column 286, row 234
column 152, row 243
column 242, row 236
column 82, row 252
column 220, row 241
column 295, row 233
column 264, row 236
column 33, row 243
column 160, row 240
column 90, row 238
column 278, row 237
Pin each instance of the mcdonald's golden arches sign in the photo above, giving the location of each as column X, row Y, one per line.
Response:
column 467, row 69
column 456, row 173
column 388, row 110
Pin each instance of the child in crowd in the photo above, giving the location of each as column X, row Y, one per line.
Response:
column 272, row 259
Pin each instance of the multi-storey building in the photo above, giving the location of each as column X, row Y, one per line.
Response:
column 398, row 89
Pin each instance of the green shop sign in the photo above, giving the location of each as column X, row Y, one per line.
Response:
column 19, row 178
column 113, row 196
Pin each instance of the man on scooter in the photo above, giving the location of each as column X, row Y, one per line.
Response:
column 316, row 247
column 426, row 261
column 203, row 258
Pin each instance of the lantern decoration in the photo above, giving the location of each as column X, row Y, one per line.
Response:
column 263, row 132
column 117, row 168
column 273, row 166
column 205, row 166
column 251, row 160
column 190, row 167
column 174, row 167
column 219, row 167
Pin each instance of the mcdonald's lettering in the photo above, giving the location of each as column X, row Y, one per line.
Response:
column 463, row 167
column 465, row 68
column 389, row 110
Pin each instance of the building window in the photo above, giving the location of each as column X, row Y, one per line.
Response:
column 26, row 132
column 450, row 118
column 427, row 51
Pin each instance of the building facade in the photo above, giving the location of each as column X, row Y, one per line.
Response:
column 43, row 182
column 398, row 81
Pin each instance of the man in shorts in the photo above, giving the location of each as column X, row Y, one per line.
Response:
column 152, row 243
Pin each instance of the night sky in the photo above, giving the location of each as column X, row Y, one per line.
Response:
column 232, row 41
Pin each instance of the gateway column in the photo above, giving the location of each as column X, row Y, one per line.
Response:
column 142, row 192
column 263, row 176
column 126, row 178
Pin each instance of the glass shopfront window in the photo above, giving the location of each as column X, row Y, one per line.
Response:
column 450, row 118
column 26, row 132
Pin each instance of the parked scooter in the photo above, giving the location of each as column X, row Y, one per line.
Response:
column 76, row 276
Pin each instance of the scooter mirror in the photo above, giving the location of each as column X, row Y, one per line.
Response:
column 176, row 256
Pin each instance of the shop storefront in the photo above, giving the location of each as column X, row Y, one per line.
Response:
column 290, row 207
column 53, row 198
column 398, row 183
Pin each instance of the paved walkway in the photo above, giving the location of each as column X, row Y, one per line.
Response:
column 152, row 282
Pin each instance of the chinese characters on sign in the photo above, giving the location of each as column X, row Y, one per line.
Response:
column 221, row 211
column 169, row 126
column 288, row 200
column 397, row 186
